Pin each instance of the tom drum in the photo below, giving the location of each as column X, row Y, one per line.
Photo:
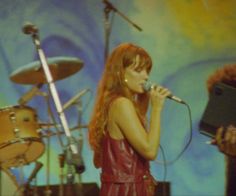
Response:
column 20, row 141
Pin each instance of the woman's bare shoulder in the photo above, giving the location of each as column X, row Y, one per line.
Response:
column 121, row 107
column 122, row 101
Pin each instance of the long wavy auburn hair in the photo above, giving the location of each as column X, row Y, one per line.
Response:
column 112, row 85
column 225, row 74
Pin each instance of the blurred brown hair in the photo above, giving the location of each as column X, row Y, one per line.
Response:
column 225, row 74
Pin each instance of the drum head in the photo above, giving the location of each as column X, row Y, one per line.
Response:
column 20, row 142
column 23, row 153
column 8, row 184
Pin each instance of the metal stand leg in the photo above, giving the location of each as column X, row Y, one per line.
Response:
column 22, row 184
column 48, row 191
column 61, row 158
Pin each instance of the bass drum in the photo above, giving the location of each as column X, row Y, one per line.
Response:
column 8, row 184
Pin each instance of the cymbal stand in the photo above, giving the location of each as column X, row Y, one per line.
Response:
column 48, row 191
column 61, row 158
column 33, row 178
column 35, row 189
column 107, row 9
column 48, row 144
column 75, row 164
column 53, row 91
column 21, row 188
column 81, row 166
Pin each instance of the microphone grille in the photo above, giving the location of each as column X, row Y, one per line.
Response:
column 147, row 86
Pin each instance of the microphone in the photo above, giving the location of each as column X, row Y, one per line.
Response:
column 30, row 94
column 38, row 166
column 148, row 85
column 74, row 99
column 29, row 28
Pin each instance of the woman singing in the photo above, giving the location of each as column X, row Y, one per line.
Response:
column 122, row 140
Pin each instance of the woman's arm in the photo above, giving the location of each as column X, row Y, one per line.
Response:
column 124, row 114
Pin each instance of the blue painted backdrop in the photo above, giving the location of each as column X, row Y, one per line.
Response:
column 187, row 40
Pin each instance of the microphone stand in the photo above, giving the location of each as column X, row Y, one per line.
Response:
column 107, row 9
column 53, row 91
column 47, row 189
column 61, row 158
column 52, row 88
column 107, row 28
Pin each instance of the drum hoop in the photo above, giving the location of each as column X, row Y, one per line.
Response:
column 7, row 108
column 12, row 142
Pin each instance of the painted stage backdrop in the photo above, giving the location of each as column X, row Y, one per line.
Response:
column 187, row 40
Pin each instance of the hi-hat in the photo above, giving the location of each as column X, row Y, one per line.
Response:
column 60, row 68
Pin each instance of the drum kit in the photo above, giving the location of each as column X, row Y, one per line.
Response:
column 21, row 141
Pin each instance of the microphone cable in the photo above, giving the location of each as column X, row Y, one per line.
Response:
column 166, row 162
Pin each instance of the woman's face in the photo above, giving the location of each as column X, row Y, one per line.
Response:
column 135, row 77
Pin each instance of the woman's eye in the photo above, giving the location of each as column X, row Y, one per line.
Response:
column 138, row 70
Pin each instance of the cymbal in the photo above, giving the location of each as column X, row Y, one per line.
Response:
column 60, row 68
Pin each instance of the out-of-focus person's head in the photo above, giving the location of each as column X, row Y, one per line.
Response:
column 225, row 74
